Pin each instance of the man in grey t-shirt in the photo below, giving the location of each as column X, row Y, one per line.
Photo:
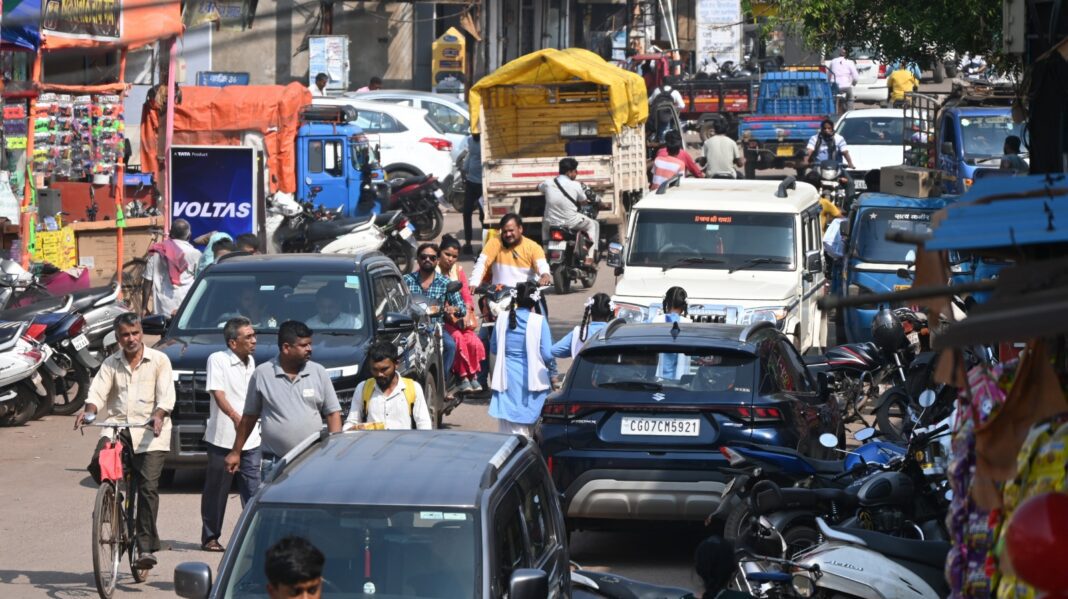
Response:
column 562, row 197
column 289, row 395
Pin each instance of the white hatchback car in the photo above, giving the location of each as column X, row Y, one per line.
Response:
column 875, row 137
column 450, row 114
column 871, row 87
column 411, row 144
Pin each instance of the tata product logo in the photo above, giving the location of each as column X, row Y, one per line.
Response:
column 212, row 210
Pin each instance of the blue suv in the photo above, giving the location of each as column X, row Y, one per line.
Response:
column 636, row 430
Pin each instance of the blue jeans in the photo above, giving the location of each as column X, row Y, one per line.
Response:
column 449, row 346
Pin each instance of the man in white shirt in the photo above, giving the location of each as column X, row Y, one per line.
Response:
column 721, row 153
column 844, row 74
column 318, row 89
column 395, row 402
column 329, row 300
column 229, row 372
column 172, row 268
column 562, row 196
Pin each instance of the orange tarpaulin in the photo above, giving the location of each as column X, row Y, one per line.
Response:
column 82, row 24
column 221, row 116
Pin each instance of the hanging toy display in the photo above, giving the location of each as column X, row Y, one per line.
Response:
column 77, row 136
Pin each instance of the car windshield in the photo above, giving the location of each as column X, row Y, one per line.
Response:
column 870, row 243
column 326, row 302
column 379, row 552
column 697, row 370
column 984, row 136
column 873, row 131
column 717, row 240
column 447, row 118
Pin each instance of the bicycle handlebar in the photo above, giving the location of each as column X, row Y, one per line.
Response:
column 119, row 424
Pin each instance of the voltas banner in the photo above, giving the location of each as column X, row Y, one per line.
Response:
column 97, row 20
column 24, row 15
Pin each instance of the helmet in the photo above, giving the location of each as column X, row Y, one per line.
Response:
column 887, row 332
column 12, row 274
column 667, row 89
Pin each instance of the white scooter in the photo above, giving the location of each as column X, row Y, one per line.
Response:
column 293, row 227
column 22, row 388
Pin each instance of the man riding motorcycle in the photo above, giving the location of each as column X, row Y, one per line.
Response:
column 828, row 145
column 563, row 195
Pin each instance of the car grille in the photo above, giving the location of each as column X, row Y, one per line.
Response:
column 191, row 397
column 192, row 442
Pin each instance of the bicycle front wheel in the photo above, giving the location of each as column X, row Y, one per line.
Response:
column 107, row 550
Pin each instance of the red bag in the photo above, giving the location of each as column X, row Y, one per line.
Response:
column 111, row 461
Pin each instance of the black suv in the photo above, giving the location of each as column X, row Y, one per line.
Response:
column 636, row 430
column 270, row 289
column 404, row 514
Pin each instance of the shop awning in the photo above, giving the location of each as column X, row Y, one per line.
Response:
column 24, row 32
column 626, row 90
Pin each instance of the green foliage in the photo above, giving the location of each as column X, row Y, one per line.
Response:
column 913, row 30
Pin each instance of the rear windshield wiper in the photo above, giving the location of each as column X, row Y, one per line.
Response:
column 692, row 260
column 756, row 261
column 643, row 385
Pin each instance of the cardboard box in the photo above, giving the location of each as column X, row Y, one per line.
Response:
column 97, row 245
column 910, row 181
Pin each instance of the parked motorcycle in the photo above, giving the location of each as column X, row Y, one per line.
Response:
column 23, row 394
column 295, row 227
column 72, row 362
column 566, row 250
column 417, row 198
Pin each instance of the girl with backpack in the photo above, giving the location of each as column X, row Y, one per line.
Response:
column 599, row 310
column 520, row 379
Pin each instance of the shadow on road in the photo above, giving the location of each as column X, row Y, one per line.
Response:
column 70, row 585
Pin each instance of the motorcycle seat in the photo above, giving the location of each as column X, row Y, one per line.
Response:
column 614, row 585
column 383, row 218
column 85, row 298
column 332, row 229
column 767, row 497
column 820, row 466
column 44, row 306
column 395, row 184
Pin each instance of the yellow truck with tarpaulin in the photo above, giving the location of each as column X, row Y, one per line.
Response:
column 551, row 104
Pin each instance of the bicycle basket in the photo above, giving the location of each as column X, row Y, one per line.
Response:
column 111, row 461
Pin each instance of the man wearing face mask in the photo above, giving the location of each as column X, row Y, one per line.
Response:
column 387, row 399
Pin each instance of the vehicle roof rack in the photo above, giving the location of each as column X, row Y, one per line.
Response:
column 672, row 182
column 328, row 113
column 613, row 326
column 787, row 183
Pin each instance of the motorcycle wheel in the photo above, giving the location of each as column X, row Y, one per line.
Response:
column 67, row 403
column 736, row 525
column 428, row 223
column 25, row 405
column 799, row 538
column 590, row 278
column 402, row 253
column 892, row 417
column 561, row 281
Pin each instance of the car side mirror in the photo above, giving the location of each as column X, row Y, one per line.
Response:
column 528, row 583
column 155, row 324
column 396, row 323
column 845, row 228
column 904, row 273
column 192, row 580
column 614, row 258
column 813, row 261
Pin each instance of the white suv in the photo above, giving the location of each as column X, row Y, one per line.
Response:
column 450, row 114
column 410, row 143
column 744, row 251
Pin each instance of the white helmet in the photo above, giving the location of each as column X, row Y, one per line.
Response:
column 13, row 275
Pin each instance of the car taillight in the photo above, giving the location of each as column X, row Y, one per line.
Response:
column 759, row 414
column 882, row 71
column 559, row 411
column 556, row 235
column 36, row 331
column 438, row 143
column 76, row 328
column 733, row 457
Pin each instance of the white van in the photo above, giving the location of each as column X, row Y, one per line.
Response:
column 744, row 251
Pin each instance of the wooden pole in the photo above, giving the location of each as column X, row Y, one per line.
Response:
column 26, row 218
column 172, row 74
column 120, row 189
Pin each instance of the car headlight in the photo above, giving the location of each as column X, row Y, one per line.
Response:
column 632, row 312
column 803, row 585
column 343, row 372
column 773, row 314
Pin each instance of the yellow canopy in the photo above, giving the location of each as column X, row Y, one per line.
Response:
column 626, row 90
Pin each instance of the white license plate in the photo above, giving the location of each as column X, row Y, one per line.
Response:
column 860, row 184
column 914, row 338
column 556, row 245
column 406, row 233
column 661, row 427
column 439, row 194
column 79, row 343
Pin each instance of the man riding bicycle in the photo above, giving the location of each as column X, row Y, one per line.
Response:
column 135, row 385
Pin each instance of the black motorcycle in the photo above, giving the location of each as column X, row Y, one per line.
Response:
column 566, row 250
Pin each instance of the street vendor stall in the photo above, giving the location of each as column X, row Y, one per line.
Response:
column 64, row 144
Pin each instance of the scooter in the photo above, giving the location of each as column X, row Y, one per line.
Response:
column 418, row 198
column 566, row 250
column 295, row 227
column 23, row 393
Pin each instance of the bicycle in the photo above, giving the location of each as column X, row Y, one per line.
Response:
column 115, row 513
column 133, row 277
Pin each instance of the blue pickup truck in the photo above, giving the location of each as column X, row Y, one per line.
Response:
column 336, row 165
column 790, row 107
column 972, row 140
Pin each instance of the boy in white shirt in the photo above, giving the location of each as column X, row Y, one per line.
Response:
column 387, row 399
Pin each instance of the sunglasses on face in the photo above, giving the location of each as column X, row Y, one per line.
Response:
column 428, row 256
